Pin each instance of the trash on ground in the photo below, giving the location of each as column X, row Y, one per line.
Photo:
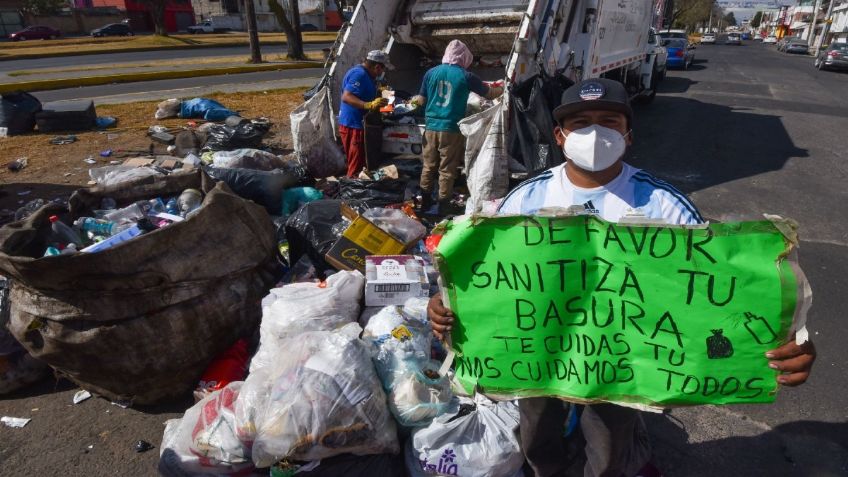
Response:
column 142, row 446
column 16, row 422
column 89, row 160
column 78, row 115
column 106, row 153
column 81, row 396
column 103, row 122
column 17, row 164
column 228, row 367
column 62, row 140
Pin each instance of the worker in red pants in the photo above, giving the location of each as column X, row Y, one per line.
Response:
column 359, row 95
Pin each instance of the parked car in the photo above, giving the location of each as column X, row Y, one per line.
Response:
column 708, row 39
column 834, row 57
column 770, row 39
column 112, row 29
column 781, row 44
column 207, row 26
column 680, row 53
column 669, row 34
column 797, row 46
column 308, row 27
column 733, row 39
column 35, row 32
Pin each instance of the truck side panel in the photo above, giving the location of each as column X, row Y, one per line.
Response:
column 621, row 34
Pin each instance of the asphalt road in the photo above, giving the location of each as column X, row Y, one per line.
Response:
column 138, row 56
column 745, row 131
column 162, row 89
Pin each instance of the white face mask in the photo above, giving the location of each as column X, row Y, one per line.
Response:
column 594, row 148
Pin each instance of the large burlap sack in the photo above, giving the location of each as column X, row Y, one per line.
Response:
column 141, row 321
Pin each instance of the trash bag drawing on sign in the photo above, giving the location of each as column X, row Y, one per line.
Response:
column 759, row 328
column 718, row 346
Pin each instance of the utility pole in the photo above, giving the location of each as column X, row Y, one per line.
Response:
column 253, row 35
column 812, row 32
column 828, row 20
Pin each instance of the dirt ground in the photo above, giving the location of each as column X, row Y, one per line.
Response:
column 95, row 437
column 55, row 171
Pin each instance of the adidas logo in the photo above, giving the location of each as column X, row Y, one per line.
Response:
column 589, row 207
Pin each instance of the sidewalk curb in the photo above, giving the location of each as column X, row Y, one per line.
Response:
column 61, row 83
column 59, row 54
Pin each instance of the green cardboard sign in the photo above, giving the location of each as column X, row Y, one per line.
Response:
column 590, row 311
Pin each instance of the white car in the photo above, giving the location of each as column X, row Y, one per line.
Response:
column 770, row 39
column 708, row 38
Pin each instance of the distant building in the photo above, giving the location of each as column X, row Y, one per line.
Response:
column 179, row 14
column 230, row 13
column 839, row 27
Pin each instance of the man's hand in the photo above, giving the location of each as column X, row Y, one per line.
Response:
column 418, row 100
column 793, row 361
column 376, row 104
column 440, row 317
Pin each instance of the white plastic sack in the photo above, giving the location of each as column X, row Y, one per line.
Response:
column 170, row 108
column 395, row 338
column 486, row 160
column 300, row 307
column 481, row 443
column 314, row 137
column 205, row 441
column 318, row 399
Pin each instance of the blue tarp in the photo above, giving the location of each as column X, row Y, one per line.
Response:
column 207, row 109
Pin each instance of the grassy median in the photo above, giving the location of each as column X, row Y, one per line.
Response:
column 90, row 45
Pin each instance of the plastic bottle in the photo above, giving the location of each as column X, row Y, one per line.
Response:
column 189, row 201
column 172, row 206
column 69, row 250
column 154, row 206
column 99, row 227
column 28, row 209
column 62, row 233
column 51, row 252
column 143, row 226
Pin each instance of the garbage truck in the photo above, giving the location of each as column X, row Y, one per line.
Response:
column 513, row 41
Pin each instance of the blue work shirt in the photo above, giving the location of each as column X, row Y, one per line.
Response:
column 358, row 82
column 446, row 88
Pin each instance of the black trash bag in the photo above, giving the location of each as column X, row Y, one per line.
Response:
column 367, row 194
column 350, row 465
column 312, row 230
column 17, row 112
column 531, row 134
column 315, row 89
column 246, row 135
column 718, row 346
column 263, row 187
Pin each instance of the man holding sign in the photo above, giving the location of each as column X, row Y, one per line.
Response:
column 593, row 130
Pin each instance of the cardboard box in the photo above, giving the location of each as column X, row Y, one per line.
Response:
column 392, row 279
column 360, row 239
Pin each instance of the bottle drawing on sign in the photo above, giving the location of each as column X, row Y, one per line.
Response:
column 718, row 346
column 759, row 328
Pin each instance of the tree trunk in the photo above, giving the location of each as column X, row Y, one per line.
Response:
column 157, row 11
column 294, row 42
column 253, row 35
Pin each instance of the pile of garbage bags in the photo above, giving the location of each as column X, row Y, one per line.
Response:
column 331, row 385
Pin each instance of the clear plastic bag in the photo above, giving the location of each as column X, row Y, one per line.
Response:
column 247, row 158
column 400, row 349
column 205, row 441
column 302, row 307
column 112, row 175
column 417, row 393
column 478, row 439
column 397, row 223
column 318, row 399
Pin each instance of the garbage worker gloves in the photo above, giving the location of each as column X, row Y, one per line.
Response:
column 494, row 92
column 418, row 100
column 376, row 104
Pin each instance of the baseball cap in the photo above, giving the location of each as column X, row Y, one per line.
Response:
column 594, row 94
column 379, row 56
